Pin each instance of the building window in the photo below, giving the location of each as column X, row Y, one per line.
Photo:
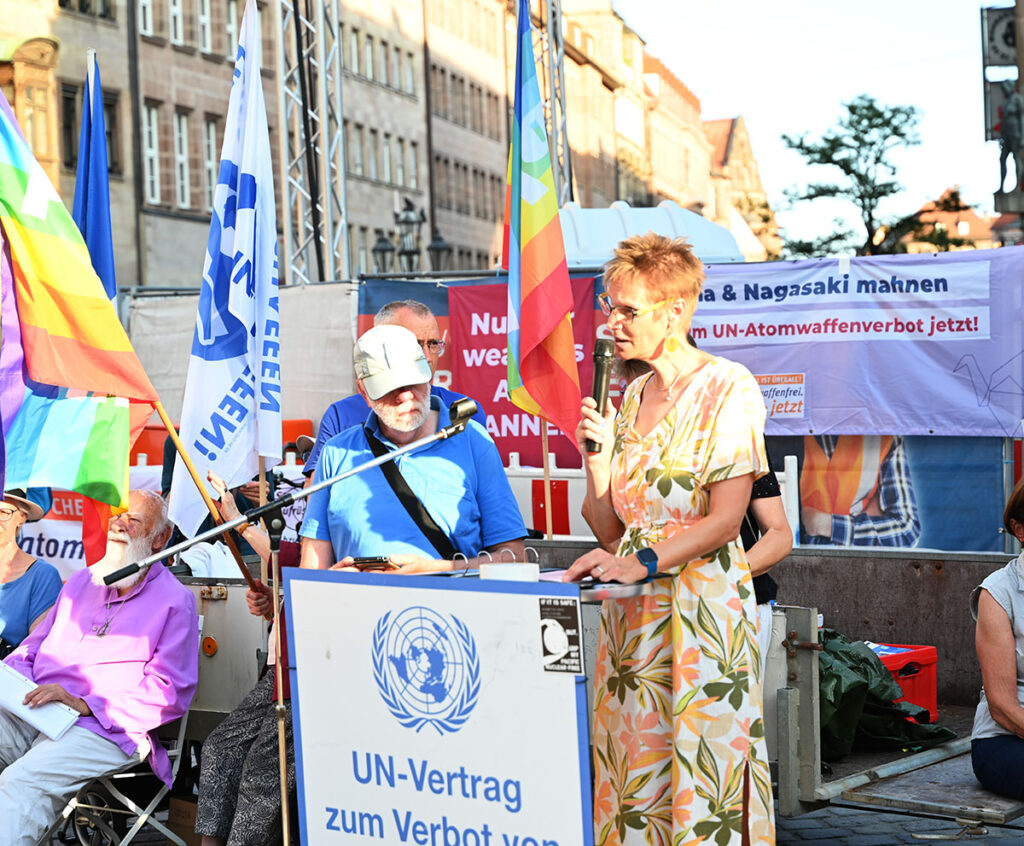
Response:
column 177, row 21
column 397, row 68
column 112, row 127
column 151, row 152
column 372, row 162
column 145, row 17
column 97, row 8
column 963, row 228
column 37, row 119
column 435, row 89
column 210, row 159
column 400, row 162
column 410, row 74
column 368, row 47
column 385, row 63
column 205, row 34
column 364, row 237
column 232, row 29
column 441, row 183
column 353, row 50
column 357, row 150
column 385, row 161
column 413, row 164
column 182, row 194
column 69, row 124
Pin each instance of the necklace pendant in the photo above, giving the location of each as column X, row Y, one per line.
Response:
column 102, row 630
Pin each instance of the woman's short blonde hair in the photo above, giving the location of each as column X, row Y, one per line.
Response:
column 668, row 266
column 1014, row 506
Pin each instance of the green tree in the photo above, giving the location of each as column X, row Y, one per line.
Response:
column 860, row 147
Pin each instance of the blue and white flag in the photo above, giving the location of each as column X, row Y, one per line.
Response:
column 231, row 412
column 91, row 209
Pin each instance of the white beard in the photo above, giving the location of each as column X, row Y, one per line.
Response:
column 120, row 556
column 389, row 415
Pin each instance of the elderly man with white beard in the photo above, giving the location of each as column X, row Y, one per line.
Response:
column 125, row 657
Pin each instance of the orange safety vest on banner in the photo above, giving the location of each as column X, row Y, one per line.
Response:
column 846, row 482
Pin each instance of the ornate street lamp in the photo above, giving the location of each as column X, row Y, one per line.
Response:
column 440, row 252
column 383, row 252
column 409, row 223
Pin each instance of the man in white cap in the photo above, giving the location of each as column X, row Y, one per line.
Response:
column 460, row 481
column 461, row 486
column 352, row 411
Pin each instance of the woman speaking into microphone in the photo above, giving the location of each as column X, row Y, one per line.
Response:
column 679, row 752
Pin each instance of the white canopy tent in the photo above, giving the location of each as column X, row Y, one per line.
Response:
column 591, row 234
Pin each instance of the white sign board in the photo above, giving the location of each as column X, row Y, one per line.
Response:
column 438, row 711
column 998, row 42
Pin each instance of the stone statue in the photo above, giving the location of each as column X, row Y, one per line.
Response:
column 1012, row 134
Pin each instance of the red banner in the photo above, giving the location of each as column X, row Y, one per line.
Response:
column 477, row 315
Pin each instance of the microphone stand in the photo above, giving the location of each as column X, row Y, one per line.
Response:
column 272, row 515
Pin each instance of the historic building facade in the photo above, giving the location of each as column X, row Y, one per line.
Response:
column 427, row 91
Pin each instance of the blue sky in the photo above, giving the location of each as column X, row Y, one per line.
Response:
column 788, row 67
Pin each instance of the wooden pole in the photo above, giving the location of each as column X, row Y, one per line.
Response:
column 549, row 531
column 263, row 501
column 282, row 746
column 180, row 447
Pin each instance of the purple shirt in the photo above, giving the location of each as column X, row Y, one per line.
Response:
column 140, row 675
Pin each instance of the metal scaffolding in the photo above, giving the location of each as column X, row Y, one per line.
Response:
column 549, row 44
column 312, row 142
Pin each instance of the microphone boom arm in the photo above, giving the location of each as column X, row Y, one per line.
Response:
column 460, row 411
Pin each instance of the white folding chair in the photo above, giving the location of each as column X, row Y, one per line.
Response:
column 92, row 812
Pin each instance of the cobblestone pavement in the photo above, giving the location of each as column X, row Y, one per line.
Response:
column 857, row 826
column 840, row 826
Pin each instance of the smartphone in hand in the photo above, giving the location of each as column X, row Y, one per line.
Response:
column 372, row 562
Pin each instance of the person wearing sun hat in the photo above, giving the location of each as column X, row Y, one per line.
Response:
column 28, row 586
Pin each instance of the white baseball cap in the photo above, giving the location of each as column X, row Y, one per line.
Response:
column 389, row 357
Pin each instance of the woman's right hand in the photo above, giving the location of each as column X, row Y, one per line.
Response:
column 260, row 600
column 595, row 427
column 226, row 504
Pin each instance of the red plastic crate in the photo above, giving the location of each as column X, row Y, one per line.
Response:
column 914, row 671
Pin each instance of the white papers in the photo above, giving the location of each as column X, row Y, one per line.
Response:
column 52, row 719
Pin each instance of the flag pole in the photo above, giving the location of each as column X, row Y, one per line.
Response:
column 549, row 531
column 282, row 745
column 180, row 447
column 263, row 501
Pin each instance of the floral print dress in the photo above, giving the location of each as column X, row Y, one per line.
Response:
column 677, row 708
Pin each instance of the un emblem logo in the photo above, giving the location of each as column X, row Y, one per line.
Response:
column 427, row 668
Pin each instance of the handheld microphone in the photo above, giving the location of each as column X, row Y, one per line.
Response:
column 604, row 352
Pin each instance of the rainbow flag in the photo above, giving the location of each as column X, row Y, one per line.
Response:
column 542, row 375
column 73, row 394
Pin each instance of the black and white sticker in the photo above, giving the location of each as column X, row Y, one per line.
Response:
column 561, row 635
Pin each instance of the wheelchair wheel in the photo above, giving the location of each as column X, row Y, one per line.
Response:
column 93, row 822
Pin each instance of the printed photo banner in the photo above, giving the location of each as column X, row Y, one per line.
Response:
column 916, row 344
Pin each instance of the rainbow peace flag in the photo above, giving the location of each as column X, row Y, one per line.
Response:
column 73, row 394
column 542, row 374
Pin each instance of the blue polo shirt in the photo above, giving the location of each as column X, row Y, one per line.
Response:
column 353, row 411
column 460, row 481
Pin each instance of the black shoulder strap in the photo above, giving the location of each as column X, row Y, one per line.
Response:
column 410, row 502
